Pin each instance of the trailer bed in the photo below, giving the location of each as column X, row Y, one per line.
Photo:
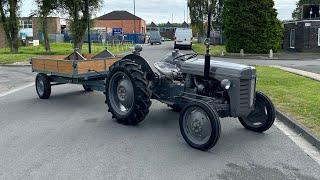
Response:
column 58, row 66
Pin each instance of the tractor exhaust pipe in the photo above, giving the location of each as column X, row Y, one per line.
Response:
column 207, row 43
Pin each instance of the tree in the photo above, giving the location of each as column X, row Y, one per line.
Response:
column 296, row 15
column 199, row 14
column 251, row 25
column 9, row 19
column 78, row 18
column 45, row 8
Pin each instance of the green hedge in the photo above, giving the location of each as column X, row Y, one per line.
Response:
column 251, row 25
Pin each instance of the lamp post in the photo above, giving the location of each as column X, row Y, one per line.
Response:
column 207, row 43
column 134, row 20
column 88, row 23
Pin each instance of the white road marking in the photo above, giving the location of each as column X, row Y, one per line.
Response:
column 16, row 90
column 308, row 148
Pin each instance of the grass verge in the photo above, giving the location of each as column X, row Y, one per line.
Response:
column 25, row 53
column 298, row 96
column 200, row 48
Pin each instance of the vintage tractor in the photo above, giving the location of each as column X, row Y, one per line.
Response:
column 228, row 90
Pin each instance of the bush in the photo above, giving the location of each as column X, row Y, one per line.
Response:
column 251, row 25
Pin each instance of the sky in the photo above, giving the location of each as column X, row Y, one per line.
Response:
column 161, row 11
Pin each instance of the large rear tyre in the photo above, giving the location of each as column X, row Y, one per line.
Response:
column 262, row 117
column 127, row 92
column 200, row 126
column 43, row 86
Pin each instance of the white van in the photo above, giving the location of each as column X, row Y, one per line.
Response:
column 183, row 38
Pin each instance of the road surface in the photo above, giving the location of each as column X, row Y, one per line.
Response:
column 71, row 136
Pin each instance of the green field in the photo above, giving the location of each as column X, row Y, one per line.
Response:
column 200, row 48
column 295, row 95
column 25, row 53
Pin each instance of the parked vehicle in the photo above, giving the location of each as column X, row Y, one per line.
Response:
column 155, row 37
column 183, row 38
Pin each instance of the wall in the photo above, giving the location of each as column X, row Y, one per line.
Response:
column 126, row 25
column 306, row 36
column 54, row 26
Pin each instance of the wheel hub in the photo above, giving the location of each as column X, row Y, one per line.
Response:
column 197, row 125
column 121, row 93
column 40, row 86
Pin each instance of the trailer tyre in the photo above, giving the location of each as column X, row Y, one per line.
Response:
column 200, row 126
column 263, row 117
column 127, row 92
column 43, row 86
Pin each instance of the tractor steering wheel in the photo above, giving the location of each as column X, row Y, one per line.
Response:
column 190, row 56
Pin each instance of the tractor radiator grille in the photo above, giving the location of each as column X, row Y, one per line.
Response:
column 245, row 94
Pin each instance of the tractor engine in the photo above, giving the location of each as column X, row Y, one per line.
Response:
column 229, row 83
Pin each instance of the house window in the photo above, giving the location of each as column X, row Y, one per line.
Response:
column 318, row 36
column 292, row 38
column 25, row 24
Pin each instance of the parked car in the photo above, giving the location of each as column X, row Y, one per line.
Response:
column 183, row 38
column 155, row 37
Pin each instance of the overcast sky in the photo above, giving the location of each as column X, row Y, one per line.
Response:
column 161, row 10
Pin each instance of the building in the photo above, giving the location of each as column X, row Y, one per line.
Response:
column 30, row 29
column 303, row 35
column 122, row 21
column 166, row 30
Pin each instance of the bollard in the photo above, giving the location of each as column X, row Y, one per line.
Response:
column 242, row 53
column 271, row 54
column 222, row 53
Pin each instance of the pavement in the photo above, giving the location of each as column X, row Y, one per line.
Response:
column 72, row 136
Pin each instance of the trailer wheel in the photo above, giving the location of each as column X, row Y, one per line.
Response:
column 200, row 126
column 43, row 86
column 262, row 118
column 87, row 88
column 127, row 92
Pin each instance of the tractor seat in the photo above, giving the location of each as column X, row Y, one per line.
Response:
column 167, row 69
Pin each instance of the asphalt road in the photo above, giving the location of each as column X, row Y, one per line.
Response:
column 71, row 136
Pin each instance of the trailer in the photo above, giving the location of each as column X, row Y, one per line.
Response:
column 86, row 70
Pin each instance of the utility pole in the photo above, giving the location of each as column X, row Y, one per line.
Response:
column 88, row 23
column 134, row 20
column 207, row 58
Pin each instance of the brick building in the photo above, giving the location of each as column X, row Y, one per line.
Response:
column 128, row 22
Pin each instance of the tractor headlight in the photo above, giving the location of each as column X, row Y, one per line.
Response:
column 226, row 84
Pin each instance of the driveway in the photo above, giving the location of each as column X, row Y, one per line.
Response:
column 72, row 136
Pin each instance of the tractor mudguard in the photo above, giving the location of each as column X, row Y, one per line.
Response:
column 144, row 65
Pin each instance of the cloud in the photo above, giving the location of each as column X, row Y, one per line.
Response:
column 161, row 10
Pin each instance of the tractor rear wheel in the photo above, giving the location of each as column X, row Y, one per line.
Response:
column 127, row 92
column 262, row 117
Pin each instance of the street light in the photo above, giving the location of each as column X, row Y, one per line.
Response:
column 88, row 21
column 207, row 43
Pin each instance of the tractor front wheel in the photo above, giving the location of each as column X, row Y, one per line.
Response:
column 262, row 117
column 127, row 92
column 200, row 126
